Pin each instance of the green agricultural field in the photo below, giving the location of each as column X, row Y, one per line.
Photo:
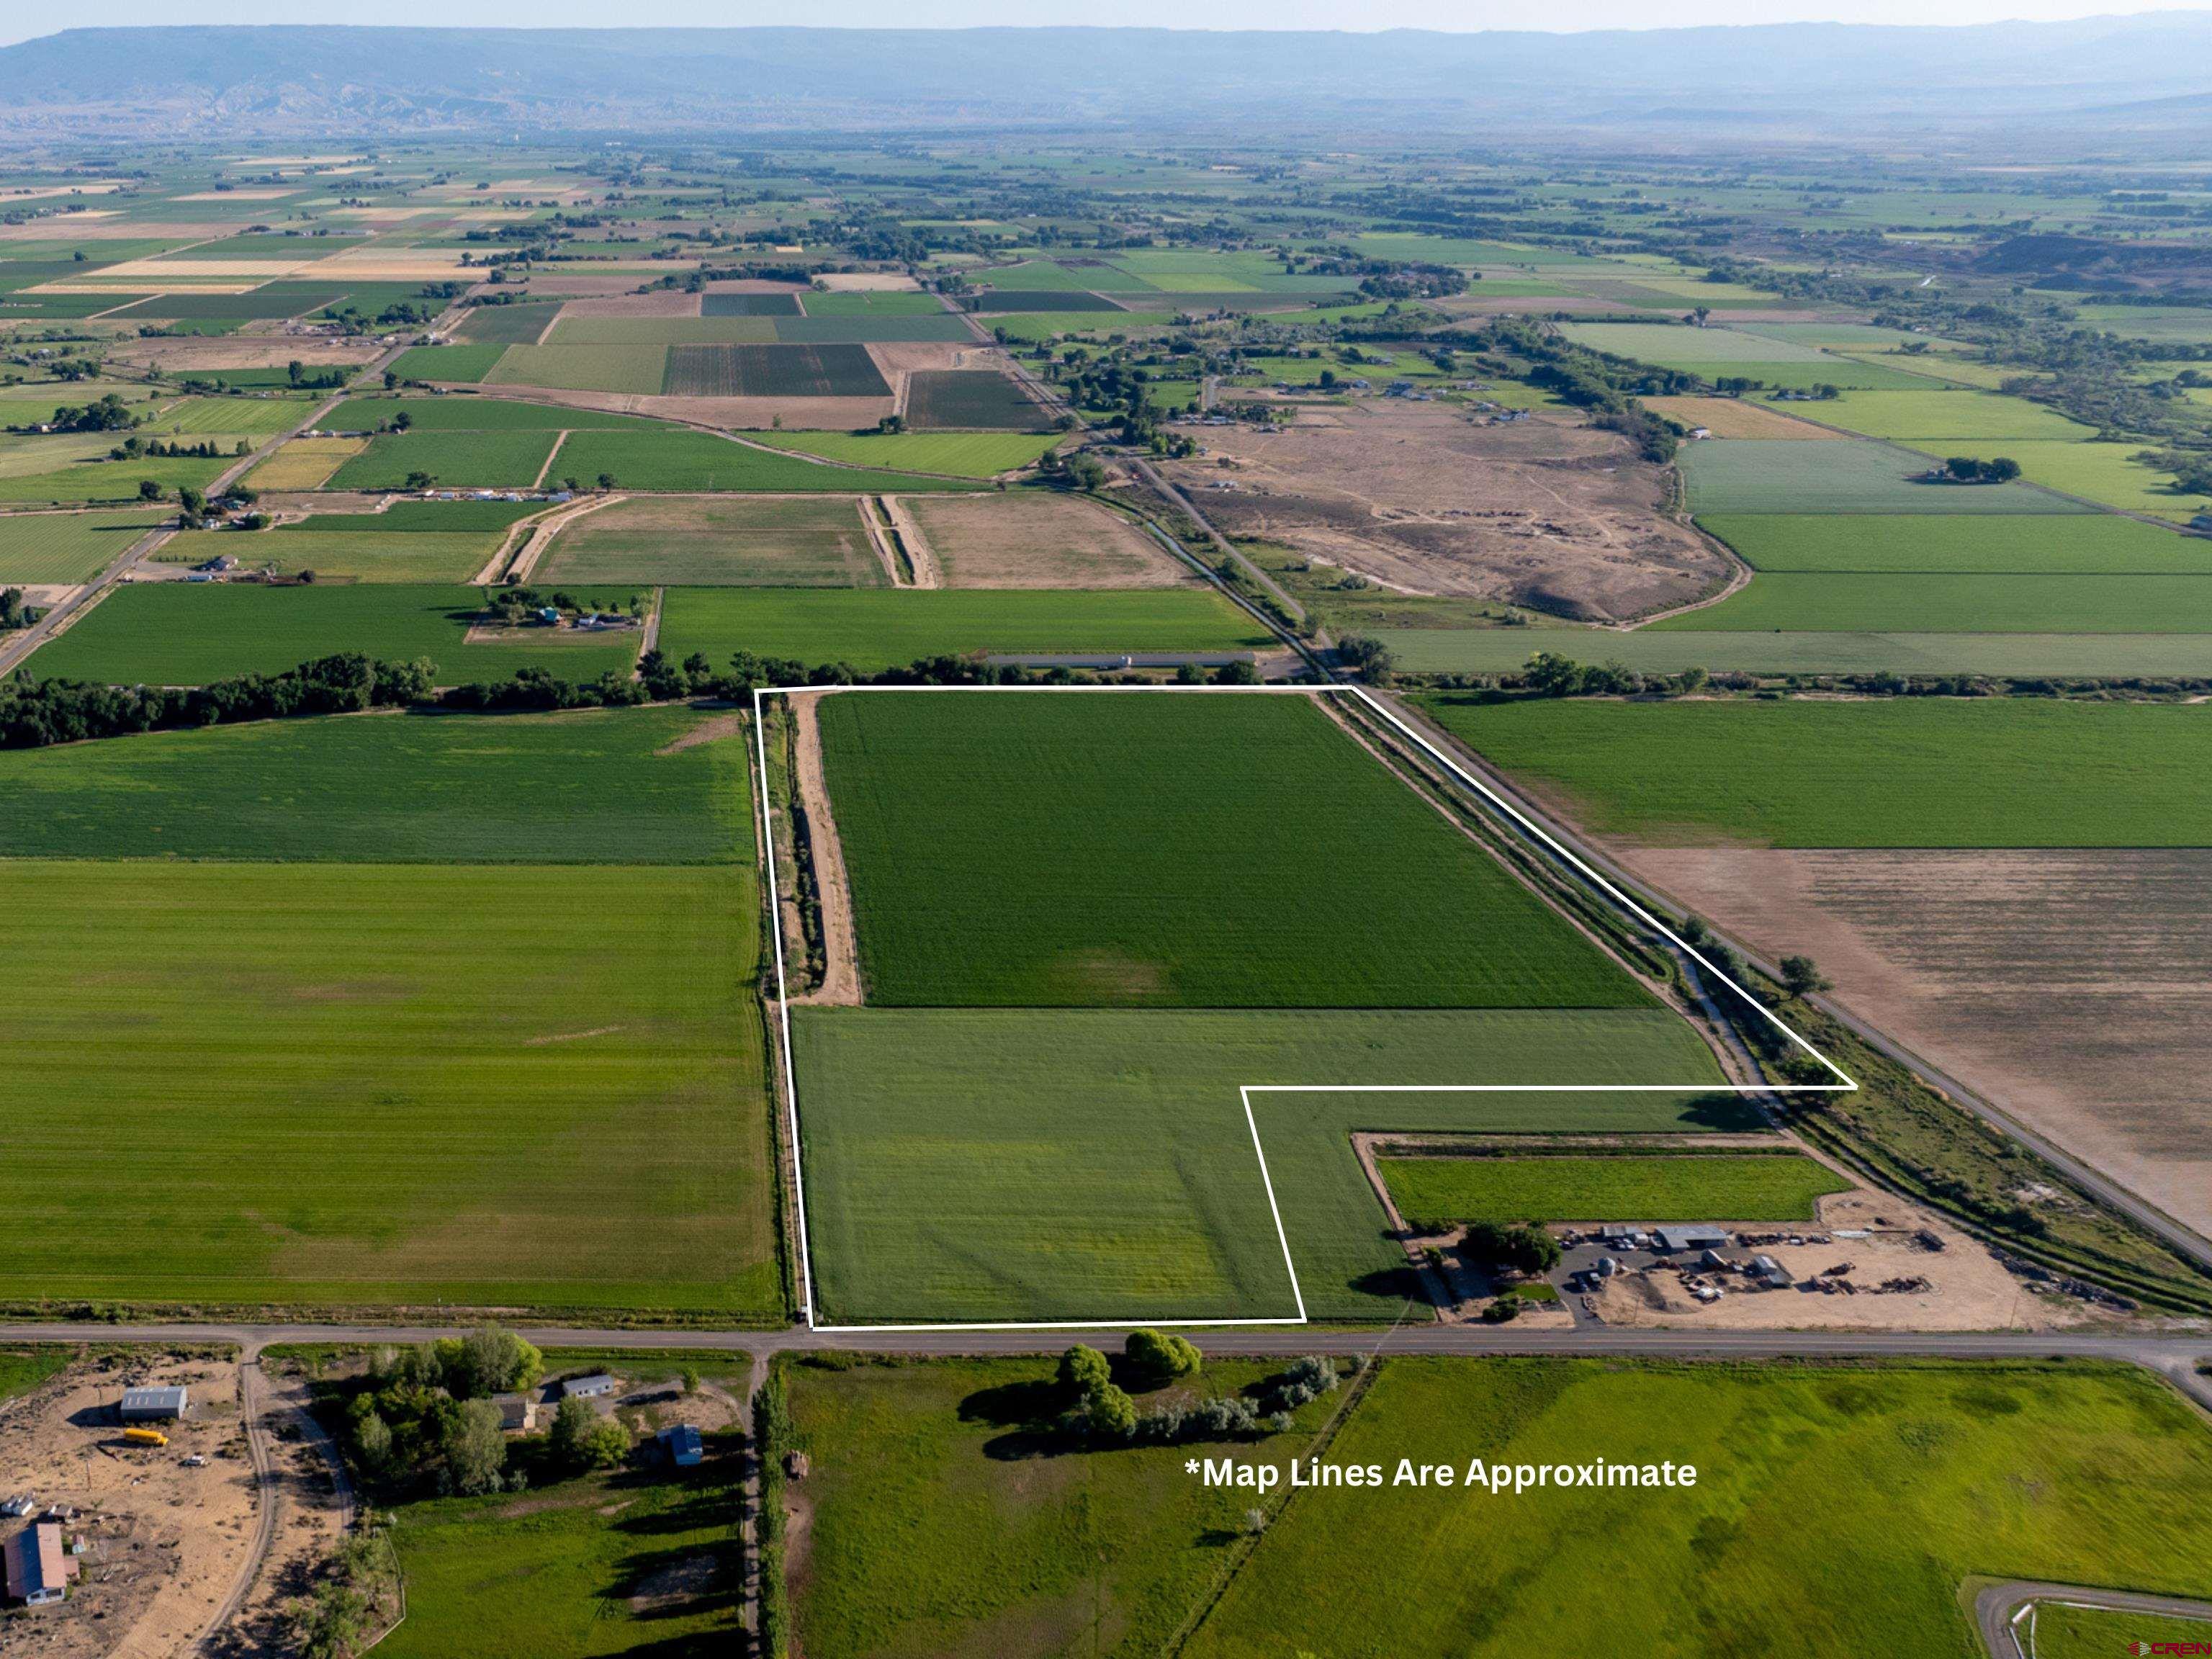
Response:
column 1826, row 476
column 1920, row 1477
column 1434, row 1193
column 738, row 541
column 456, row 460
column 972, row 399
column 630, row 367
column 763, row 304
column 1700, row 349
column 870, row 631
column 407, row 1083
column 963, row 454
column 480, row 414
column 574, row 1568
column 1891, row 772
column 2040, row 603
column 773, row 371
column 884, row 303
column 344, row 555
column 997, row 300
column 514, row 325
column 944, row 329
column 1499, row 650
column 452, row 365
column 683, row 460
column 1030, row 327
column 1932, row 420
column 2103, row 473
column 2064, row 1632
column 1219, row 903
column 1030, row 1163
column 919, row 1543
column 586, row 787
column 66, row 547
column 22, row 1370
column 661, row 330
column 179, row 634
column 254, row 418
column 101, row 480
column 2039, row 543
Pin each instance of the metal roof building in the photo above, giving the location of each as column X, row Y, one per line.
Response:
column 154, row 1405
column 1692, row 1238
column 684, row 1445
column 587, row 1388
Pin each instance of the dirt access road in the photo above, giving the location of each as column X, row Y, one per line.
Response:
column 840, row 981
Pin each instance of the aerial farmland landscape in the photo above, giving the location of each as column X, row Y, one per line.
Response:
column 1226, row 832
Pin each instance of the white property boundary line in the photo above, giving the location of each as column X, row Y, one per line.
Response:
column 1844, row 1085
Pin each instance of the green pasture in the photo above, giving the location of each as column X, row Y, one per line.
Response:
column 859, row 330
column 454, row 459
column 621, row 368
column 1028, row 1163
column 573, row 331
column 1887, row 772
column 2013, row 603
column 2103, row 473
column 2037, row 544
column 66, row 547
column 1931, row 420
column 685, row 460
column 190, row 634
column 871, row 630
column 452, row 365
column 369, row 1085
column 1826, row 476
column 93, row 478
column 577, row 1567
column 889, row 303
column 963, row 454
column 461, row 413
column 1911, row 1479
column 1434, row 1193
column 585, row 786
column 512, row 325
column 1463, row 650
column 923, row 1539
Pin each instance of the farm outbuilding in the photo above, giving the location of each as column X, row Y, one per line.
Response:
column 588, row 1388
column 1692, row 1238
column 681, row 1443
column 154, row 1405
column 38, row 1568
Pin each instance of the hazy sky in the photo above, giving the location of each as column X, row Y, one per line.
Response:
column 21, row 21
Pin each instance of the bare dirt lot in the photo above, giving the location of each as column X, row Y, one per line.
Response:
column 212, row 356
column 1965, row 1288
column 1542, row 512
column 164, row 1542
column 2074, row 989
column 841, row 983
column 1040, row 541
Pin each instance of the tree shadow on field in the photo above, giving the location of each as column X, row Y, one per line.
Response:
column 1029, row 1412
column 1725, row 1113
column 1394, row 1284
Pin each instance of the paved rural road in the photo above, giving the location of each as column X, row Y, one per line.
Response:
column 1995, row 1607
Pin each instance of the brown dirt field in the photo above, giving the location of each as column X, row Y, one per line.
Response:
column 897, row 358
column 753, row 285
column 1970, row 1292
column 867, row 282
column 306, row 463
column 2072, row 989
column 841, row 982
column 548, row 280
column 166, row 1542
column 217, row 353
column 1543, row 513
column 311, row 1524
column 1040, row 541
column 1732, row 417
column 666, row 302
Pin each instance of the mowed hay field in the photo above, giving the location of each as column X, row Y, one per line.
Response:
column 767, row 541
column 938, row 1187
column 1919, row 1477
column 1278, row 865
column 1040, row 540
column 694, row 461
column 66, row 547
column 346, row 556
column 179, row 634
column 1885, row 771
column 891, row 628
column 2037, row 544
column 368, row 1084
column 1432, row 1192
column 306, row 463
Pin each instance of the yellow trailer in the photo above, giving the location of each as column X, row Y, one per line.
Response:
column 146, row 1436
